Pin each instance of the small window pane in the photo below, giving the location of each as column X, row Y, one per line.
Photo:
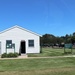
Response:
column 31, row 43
column 13, row 45
column 8, row 43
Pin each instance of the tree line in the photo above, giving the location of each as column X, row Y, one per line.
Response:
column 51, row 40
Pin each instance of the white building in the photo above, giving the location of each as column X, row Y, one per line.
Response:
column 20, row 40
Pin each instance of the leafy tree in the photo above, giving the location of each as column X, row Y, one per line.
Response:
column 49, row 39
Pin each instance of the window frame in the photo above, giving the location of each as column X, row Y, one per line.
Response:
column 8, row 44
column 31, row 43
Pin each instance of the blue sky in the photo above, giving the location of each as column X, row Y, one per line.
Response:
column 55, row 17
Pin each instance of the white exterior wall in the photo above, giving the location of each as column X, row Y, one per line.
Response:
column 16, row 35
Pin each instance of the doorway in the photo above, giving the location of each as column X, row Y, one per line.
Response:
column 23, row 47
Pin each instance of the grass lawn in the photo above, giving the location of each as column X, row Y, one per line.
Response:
column 46, row 52
column 38, row 66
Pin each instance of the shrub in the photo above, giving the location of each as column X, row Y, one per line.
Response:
column 4, row 55
column 10, row 55
column 16, row 54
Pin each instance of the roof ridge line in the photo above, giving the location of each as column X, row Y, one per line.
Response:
column 19, row 28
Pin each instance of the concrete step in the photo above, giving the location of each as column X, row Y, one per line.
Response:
column 23, row 56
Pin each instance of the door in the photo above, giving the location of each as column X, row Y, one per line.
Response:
column 23, row 47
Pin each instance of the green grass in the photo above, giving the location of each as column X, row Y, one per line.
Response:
column 38, row 66
column 46, row 52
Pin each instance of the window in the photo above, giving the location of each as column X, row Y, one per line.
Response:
column 13, row 45
column 31, row 43
column 8, row 43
